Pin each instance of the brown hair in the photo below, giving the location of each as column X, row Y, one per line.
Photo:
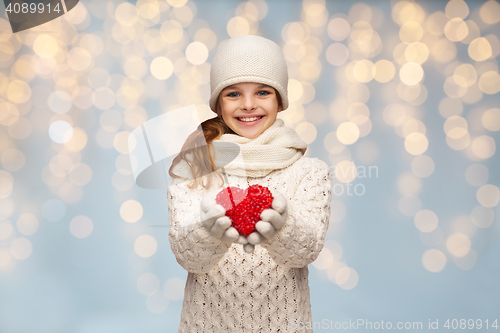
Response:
column 198, row 144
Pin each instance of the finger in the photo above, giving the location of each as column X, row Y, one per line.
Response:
column 242, row 240
column 266, row 229
column 272, row 216
column 256, row 238
column 230, row 235
column 215, row 211
column 267, row 214
column 279, row 203
column 220, row 226
column 207, row 222
column 248, row 248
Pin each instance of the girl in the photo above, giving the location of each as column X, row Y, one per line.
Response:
column 257, row 283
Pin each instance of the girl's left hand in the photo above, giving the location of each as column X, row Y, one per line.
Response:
column 272, row 220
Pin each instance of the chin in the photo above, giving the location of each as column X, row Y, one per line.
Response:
column 251, row 135
column 248, row 136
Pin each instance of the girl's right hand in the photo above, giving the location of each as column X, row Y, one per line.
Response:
column 272, row 220
column 215, row 221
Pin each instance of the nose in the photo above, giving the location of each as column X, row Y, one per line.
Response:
column 248, row 102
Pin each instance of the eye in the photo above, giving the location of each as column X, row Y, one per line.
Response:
column 263, row 93
column 233, row 94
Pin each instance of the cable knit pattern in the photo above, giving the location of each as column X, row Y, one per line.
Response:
column 229, row 290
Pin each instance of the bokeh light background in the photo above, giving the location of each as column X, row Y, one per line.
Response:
column 399, row 97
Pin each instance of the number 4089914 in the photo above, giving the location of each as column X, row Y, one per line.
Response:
column 470, row 324
column 31, row 8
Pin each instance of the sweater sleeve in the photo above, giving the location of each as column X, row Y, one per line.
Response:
column 194, row 248
column 302, row 237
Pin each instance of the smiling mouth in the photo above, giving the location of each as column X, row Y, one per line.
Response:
column 249, row 121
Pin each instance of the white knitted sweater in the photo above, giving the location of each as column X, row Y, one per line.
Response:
column 229, row 290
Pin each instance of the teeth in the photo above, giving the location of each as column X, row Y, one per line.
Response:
column 249, row 119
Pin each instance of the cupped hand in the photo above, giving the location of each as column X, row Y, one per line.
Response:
column 272, row 220
column 215, row 221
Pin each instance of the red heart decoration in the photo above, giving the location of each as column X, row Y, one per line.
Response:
column 243, row 207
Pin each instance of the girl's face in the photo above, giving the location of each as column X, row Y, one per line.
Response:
column 245, row 101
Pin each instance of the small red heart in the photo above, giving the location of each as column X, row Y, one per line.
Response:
column 243, row 207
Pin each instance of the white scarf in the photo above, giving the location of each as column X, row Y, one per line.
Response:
column 275, row 148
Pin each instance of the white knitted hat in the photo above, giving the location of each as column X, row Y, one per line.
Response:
column 248, row 58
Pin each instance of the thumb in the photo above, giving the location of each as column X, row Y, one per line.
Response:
column 207, row 202
column 279, row 201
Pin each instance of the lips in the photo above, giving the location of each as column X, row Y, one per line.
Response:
column 261, row 115
column 249, row 123
column 249, row 117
